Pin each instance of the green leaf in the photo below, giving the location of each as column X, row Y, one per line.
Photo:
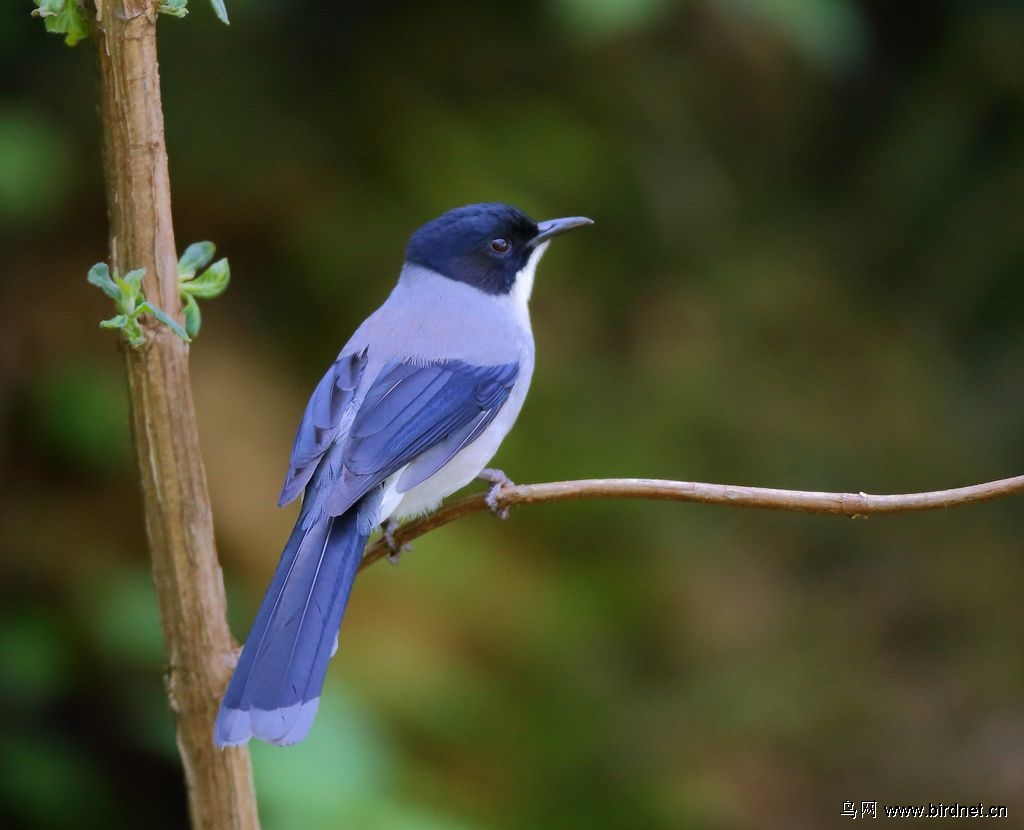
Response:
column 133, row 279
column 175, row 8
column 64, row 17
column 118, row 322
column 193, row 317
column 211, row 283
column 46, row 8
column 166, row 319
column 99, row 275
column 220, row 11
column 195, row 257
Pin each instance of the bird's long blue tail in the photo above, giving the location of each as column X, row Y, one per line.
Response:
column 274, row 692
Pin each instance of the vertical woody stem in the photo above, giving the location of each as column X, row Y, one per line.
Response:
column 179, row 522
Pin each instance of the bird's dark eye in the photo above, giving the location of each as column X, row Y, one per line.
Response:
column 500, row 245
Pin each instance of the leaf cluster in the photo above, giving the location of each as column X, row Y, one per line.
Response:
column 126, row 292
column 69, row 17
column 131, row 304
column 64, row 17
column 209, row 284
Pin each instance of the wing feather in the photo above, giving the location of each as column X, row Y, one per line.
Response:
column 412, row 410
column 321, row 422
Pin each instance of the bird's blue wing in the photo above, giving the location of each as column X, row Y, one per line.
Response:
column 321, row 422
column 413, row 416
column 417, row 413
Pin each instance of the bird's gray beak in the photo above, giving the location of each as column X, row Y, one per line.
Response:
column 553, row 227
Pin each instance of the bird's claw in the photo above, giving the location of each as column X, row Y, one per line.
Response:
column 387, row 529
column 498, row 481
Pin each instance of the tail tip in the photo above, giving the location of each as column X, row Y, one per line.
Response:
column 281, row 727
column 231, row 728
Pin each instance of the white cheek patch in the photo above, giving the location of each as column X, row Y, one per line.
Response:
column 524, row 279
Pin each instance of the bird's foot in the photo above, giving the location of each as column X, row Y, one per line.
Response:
column 498, row 481
column 387, row 529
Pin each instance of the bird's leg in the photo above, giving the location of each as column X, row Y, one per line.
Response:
column 497, row 479
column 387, row 529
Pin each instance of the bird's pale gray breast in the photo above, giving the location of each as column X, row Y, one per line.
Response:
column 428, row 317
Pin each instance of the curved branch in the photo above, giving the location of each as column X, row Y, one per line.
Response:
column 854, row 505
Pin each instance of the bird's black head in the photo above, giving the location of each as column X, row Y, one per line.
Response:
column 485, row 245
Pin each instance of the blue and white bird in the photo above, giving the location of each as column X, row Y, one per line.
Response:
column 413, row 409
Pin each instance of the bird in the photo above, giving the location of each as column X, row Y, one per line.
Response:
column 413, row 408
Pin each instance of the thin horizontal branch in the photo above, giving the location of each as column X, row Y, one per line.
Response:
column 854, row 505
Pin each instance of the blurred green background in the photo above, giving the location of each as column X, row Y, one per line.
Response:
column 806, row 273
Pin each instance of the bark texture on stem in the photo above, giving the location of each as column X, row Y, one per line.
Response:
column 179, row 522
